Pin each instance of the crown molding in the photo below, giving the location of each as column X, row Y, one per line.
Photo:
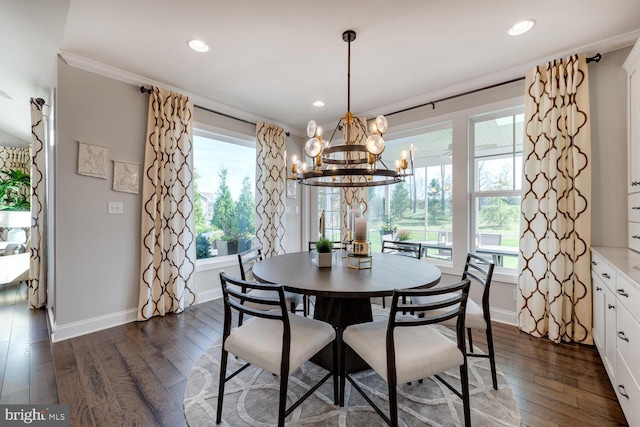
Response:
column 114, row 73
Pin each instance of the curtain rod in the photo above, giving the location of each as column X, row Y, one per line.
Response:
column 596, row 58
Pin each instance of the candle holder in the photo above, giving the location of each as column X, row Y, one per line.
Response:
column 359, row 256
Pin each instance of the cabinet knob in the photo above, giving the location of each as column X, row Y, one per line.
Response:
column 622, row 391
column 635, row 208
column 634, row 183
column 606, row 276
column 594, row 263
column 623, row 336
column 635, row 237
column 611, row 306
column 622, row 292
column 598, row 288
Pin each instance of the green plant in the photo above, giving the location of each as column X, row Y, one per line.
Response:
column 404, row 234
column 14, row 190
column 324, row 245
column 389, row 223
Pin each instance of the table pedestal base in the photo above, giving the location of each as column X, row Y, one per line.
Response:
column 342, row 312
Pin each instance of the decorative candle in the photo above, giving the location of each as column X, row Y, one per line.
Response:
column 361, row 229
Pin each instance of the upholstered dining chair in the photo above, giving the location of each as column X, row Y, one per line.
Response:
column 337, row 245
column 246, row 261
column 480, row 271
column 408, row 348
column 410, row 249
column 272, row 339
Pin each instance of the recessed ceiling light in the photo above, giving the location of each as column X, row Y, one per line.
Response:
column 318, row 104
column 522, row 27
column 198, row 45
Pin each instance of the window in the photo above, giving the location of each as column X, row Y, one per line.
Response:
column 224, row 194
column 496, row 143
column 329, row 200
column 421, row 207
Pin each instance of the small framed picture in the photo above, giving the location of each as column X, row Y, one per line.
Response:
column 92, row 160
column 126, row 177
column 292, row 190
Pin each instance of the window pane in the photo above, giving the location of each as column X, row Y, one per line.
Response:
column 329, row 201
column 495, row 173
column 497, row 229
column 224, row 197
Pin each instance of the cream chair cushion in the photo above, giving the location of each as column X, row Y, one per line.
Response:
column 421, row 351
column 474, row 317
column 259, row 341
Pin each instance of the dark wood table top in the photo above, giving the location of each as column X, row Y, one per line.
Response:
column 299, row 273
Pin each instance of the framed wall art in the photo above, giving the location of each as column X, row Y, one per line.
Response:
column 92, row 160
column 126, row 177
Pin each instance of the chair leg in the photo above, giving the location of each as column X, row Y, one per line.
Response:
column 492, row 357
column 282, row 404
column 466, row 403
column 305, row 305
column 336, row 369
column 240, row 315
column 343, row 358
column 470, row 340
column 223, row 373
column 393, row 404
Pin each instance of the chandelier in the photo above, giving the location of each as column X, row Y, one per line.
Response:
column 357, row 162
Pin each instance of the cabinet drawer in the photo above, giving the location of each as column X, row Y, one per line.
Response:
column 633, row 206
column 628, row 294
column 628, row 340
column 604, row 271
column 628, row 393
column 634, row 236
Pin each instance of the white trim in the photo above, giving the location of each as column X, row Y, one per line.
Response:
column 504, row 316
column 209, row 295
column 94, row 324
column 216, row 263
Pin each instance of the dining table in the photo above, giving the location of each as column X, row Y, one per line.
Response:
column 343, row 294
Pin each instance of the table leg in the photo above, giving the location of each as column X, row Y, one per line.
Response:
column 342, row 312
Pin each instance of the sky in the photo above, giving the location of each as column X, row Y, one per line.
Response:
column 210, row 156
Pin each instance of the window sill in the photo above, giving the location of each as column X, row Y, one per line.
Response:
column 216, row 263
column 499, row 274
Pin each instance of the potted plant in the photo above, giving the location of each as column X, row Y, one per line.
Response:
column 14, row 190
column 404, row 235
column 389, row 226
column 324, row 248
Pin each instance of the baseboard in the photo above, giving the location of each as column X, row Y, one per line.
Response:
column 209, row 295
column 75, row 329
column 504, row 316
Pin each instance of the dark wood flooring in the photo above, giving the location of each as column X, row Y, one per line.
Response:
column 136, row 374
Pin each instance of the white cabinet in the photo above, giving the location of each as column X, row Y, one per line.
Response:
column 632, row 67
column 615, row 275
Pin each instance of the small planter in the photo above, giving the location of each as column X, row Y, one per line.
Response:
column 324, row 259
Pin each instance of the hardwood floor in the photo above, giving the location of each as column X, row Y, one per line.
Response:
column 136, row 374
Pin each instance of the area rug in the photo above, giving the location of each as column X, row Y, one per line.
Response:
column 251, row 398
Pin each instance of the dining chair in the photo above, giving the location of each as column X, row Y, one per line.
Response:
column 480, row 271
column 410, row 249
column 337, row 245
column 246, row 260
column 272, row 339
column 408, row 348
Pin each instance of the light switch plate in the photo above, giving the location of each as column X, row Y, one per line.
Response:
column 115, row 208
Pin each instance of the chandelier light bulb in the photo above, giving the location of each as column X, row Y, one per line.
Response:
column 382, row 124
column 373, row 128
column 403, row 154
column 319, row 131
column 313, row 147
column 375, row 144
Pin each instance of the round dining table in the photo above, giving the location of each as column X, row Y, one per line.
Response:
column 342, row 294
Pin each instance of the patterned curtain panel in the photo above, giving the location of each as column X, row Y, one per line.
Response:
column 270, row 188
column 168, row 255
column 555, row 282
column 37, row 270
column 354, row 197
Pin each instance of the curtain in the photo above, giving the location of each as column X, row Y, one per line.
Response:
column 354, row 197
column 270, row 188
column 168, row 250
column 37, row 270
column 554, row 281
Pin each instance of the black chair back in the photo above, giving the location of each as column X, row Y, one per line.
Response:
column 246, row 261
column 481, row 271
column 411, row 249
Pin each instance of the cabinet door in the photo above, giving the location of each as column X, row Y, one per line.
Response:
column 599, row 311
column 634, row 130
column 610, row 333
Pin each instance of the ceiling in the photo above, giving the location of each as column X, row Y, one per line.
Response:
column 271, row 60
